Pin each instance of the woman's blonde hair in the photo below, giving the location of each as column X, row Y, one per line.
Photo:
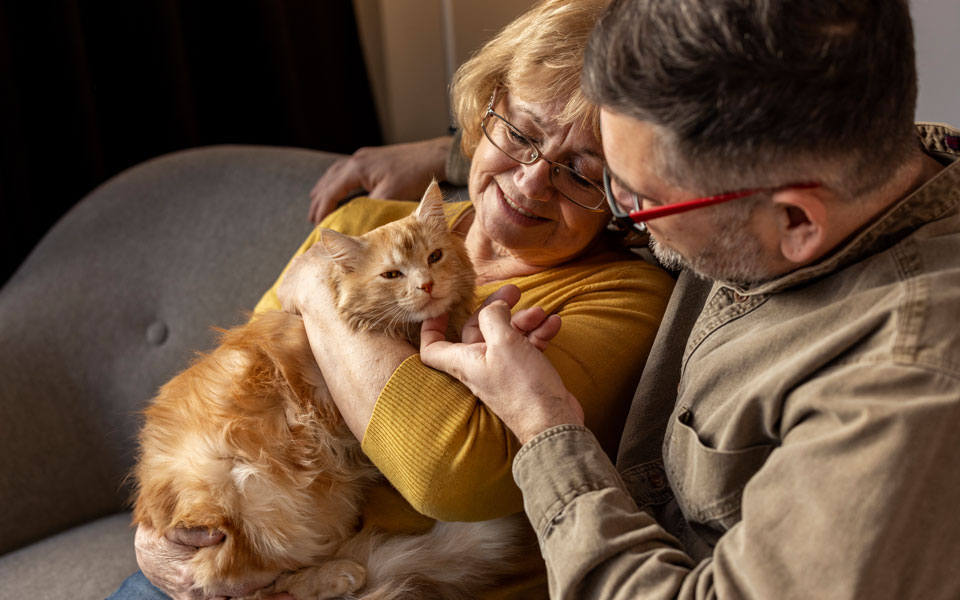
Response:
column 539, row 57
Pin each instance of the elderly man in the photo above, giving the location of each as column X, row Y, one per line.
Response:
column 808, row 368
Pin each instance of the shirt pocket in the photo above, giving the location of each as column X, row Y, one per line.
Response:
column 647, row 484
column 709, row 482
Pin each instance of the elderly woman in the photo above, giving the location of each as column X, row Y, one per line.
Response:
column 536, row 219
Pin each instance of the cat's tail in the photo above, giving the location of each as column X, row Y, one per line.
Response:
column 451, row 561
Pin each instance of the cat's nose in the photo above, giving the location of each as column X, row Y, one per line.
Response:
column 427, row 286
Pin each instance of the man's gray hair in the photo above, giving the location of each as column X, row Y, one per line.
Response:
column 762, row 92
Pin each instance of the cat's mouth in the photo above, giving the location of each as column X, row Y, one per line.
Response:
column 430, row 308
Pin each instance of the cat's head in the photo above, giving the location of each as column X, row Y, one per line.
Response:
column 403, row 272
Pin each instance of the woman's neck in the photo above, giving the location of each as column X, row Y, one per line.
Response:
column 493, row 262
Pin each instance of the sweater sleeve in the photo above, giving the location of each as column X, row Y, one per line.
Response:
column 451, row 458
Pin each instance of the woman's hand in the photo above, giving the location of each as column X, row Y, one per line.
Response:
column 362, row 360
column 397, row 172
column 501, row 361
column 304, row 288
column 165, row 562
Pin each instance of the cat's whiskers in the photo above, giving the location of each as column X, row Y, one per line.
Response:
column 399, row 316
column 390, row 314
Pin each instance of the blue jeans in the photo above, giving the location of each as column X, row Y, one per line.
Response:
column 136, row 587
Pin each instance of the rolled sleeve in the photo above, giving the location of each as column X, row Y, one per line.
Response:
column 596, row 542
column 858, row 502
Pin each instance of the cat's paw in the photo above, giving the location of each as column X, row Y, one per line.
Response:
column 331, row 579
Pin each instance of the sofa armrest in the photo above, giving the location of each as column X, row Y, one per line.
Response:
column 115, row 300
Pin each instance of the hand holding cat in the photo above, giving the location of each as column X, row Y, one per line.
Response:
column 500, row 360
column 304, row 287
column 396, row 172
column 165, row 561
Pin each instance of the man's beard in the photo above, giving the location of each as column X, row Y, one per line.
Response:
column 730, row 259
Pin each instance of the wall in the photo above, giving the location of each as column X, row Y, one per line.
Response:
column 410, row 59
column 408, row 56
column 935, row 23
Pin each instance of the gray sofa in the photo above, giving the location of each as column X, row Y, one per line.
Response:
column 112, row 303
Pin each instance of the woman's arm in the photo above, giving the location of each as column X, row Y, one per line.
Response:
column 450, row 456
column 363, row 361
column 356, row 364
column 446, row 453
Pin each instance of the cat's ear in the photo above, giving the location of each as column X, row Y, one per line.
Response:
column 431, row 206
column 341, row 248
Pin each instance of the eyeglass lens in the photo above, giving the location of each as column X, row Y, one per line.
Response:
column 624, row 200
column 568, row 182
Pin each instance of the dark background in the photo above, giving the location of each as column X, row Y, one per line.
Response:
column 89, row 88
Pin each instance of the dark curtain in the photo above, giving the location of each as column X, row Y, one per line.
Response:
column 89, row 88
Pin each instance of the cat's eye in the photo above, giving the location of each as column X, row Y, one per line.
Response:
column 435, row 256
column 391, row 274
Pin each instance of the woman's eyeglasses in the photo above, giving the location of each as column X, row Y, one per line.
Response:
column 573, row 185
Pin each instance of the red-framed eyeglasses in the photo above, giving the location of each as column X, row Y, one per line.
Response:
column 637, row 217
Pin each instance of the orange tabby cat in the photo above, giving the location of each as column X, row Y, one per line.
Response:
column 248, row 441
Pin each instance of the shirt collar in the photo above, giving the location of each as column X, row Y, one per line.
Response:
column 937, row 197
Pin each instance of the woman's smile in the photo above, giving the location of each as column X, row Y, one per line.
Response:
column 515, row 212
column 519, row 215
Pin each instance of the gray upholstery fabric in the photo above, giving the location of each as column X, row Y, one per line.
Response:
column 87, row 562
column 112, row 303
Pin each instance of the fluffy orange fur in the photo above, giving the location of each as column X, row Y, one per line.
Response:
column 248, row 441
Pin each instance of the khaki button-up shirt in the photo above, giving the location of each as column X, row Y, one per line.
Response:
column 813, row 437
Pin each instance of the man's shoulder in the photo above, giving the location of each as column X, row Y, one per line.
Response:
column 939, row 139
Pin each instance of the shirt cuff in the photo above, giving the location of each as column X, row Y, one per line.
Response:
column 558, row 466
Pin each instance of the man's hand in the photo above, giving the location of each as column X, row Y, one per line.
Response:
column 532, row 322
column 397, row 172
column 165, row 562
column 500, row 360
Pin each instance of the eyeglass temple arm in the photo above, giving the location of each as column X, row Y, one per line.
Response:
column 639, row 216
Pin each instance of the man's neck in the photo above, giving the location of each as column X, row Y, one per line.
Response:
column 861, row 213
column 909, row 179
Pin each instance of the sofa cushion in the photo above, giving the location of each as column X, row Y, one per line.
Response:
column 114, row 301
column 84, row 563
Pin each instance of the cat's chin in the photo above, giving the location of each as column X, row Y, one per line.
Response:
column 434, row 308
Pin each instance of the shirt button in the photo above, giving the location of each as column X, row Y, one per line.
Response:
column 657, row 478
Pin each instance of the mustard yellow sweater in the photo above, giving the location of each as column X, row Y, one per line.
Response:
column 447, row 455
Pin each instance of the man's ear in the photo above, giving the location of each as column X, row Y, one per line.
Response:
column 802, row 224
